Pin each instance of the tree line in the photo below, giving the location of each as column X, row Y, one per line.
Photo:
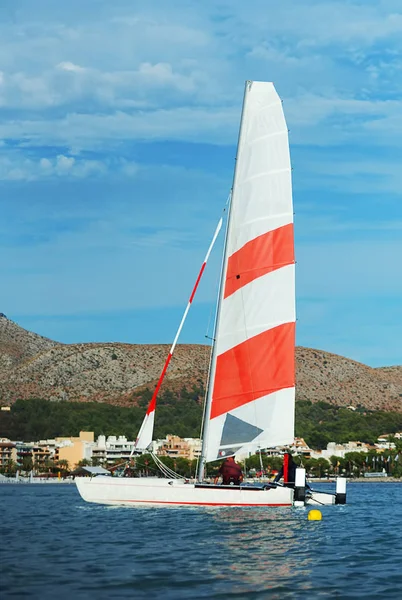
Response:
column 180, row 413
column 320, row 423
column 354, row 464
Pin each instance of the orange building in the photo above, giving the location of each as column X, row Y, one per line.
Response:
column 174, row 446
column 74, row 449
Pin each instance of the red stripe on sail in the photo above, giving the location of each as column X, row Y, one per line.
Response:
column 259, row 366
column 264, row 254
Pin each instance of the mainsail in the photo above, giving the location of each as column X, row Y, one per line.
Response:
column 250, row 402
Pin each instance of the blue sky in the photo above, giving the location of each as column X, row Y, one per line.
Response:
column 118, row 125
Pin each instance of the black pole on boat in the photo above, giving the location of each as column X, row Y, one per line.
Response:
column 340, row 491
column 299, row 496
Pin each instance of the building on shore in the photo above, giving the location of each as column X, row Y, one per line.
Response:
column 8, row 452
column 340, row 450
column 70, row 450
column 301, row 448
column 384, row 441
column 74, row 449
column 175, row 446
column 108, row 451
column 113, row 449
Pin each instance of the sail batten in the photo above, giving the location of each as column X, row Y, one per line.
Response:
column 252, row 385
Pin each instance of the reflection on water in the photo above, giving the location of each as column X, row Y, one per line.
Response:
column 55, row 545
column 261, row 547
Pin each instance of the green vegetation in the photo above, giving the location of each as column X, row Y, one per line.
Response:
column 34, row 419
column 180, row 413
column 320, row 423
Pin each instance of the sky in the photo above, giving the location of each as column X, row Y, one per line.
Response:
column 118, row 131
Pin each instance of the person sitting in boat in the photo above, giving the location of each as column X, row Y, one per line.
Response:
column 230, row 472
column 128, row 471
column 287, row 471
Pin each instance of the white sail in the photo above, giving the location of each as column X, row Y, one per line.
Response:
column 146, row 432
column 250, row 402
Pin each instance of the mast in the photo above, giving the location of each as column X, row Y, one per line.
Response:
column 252, row 391
column 208, row 402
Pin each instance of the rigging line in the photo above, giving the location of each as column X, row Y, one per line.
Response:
column 219, row 273
column 208, row 369
column 167, row 471
column 261, row 463
column 161, row 467
column 212, row 312
column 152, row 404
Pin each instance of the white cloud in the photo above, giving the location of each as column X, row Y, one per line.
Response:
column 45, row 164
column 17, row 168
column 94, row 131
column 64, row 163
column 131, row 71
column 69, row 66
column 68, row 85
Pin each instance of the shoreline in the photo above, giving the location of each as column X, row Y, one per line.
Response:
column 361, row 480
column 312, row 481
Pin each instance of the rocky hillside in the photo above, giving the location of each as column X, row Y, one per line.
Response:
column 33, row 366
column 345, row 382
column 18, row 345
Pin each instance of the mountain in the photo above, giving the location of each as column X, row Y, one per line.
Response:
column 34, row 366
column 18, row 345
column 322, row 376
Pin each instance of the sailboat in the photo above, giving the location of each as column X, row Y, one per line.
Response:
column 250, row 399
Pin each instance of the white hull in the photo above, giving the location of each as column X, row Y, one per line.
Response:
column 318, row 499
column 166, row 492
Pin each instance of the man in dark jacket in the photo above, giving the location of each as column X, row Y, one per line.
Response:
column 230, row 471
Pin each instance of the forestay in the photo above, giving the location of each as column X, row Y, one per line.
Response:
column 145, row 434
column 250, row 402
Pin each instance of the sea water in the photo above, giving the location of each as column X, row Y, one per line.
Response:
column 54, row 545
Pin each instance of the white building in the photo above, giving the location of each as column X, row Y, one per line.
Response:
column 112, row 449
column 339, row 450
column 384, row 443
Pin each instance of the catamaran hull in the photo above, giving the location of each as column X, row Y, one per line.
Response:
column 164, row 492
column 318, row 499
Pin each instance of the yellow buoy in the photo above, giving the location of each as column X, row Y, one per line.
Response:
column 314, row 515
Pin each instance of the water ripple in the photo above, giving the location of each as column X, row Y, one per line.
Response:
column 55, row 545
